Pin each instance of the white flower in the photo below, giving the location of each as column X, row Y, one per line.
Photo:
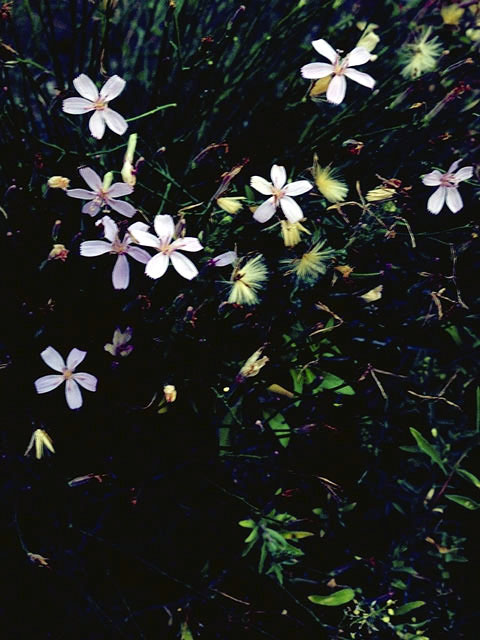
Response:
column 120, row 248
column 91, row 100
column 223, row 259
column 447, row 187
column 168, row 250
column 102, row 194
column 280, row 195
column 339, row 68
column 54, row 360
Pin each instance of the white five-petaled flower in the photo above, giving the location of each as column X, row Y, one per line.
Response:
column 102, row 195
column 120, row 248
column 447, row 184
column 280, row 195
column 92, row 100
column 168, row 250
column 67, row 374
column 339, row 68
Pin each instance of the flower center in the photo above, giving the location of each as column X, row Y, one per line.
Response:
column 448, row 180
column 339, row 66
column 118, row 247
column 277, row 194
column 100, row 105
column 67, row 374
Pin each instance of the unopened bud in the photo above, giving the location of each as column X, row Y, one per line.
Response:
column 128, row 172
column 59, row 252
column 230, row 205
column 169, row 393
column 107, row 180
column 58, row 182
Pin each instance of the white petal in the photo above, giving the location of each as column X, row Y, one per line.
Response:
column 224, row 258
column 316, row 70
column 112, row 88
column 357, row 56
column 454, row 200
column 290, row 208
column 115, row 121
column 97, row 125
column 54, row 360
column 93, row 248
column 146, row 239
column 86, row 380
column 92, row 178
column 121, row 273
column 157, row 266
column 183, row 265
column 73, row 394
column 454, row 165
column 464, row 174
column 336, row 89
column 110, row 229
column 278, row 176
column 85, row 87
column 297, row 188
column 261, row 185
column 119, row 189
column 93, row 207
column 324, row 49
column 140, row 255
column 265, row 211
column 362, row 78
column 125, row 208
column 74, row 358
column 48, row 383
column 137, row 226
column 82, row 194
column 187, row 244
column 77, row 106
column 437, row 200
column 432, row 179
column 164, row 227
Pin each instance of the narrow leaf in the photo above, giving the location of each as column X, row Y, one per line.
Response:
column 427, row 448
column 334, row 599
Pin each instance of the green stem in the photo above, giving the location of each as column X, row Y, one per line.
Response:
column 150, row 113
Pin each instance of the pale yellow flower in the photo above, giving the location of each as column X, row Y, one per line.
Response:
column 169, row 393
column 421, row 56
column 291, row 232
column 41, row 441
column 451, row 14
column 331, row 188
column 379, row 194
column 369, row 38
column 58, row 252
column 58, row 182
column 230, row 204
column 253, row 365
column 247, row 280
column 311, row 264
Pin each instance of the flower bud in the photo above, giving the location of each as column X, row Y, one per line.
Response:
column 59, row 252
column 169, row 393
column 107, row 181
column 58, row 182
column 128, row 172
column 230, row 205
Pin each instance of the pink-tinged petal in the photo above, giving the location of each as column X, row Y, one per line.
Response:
column 119, row 189
column 146, row 239
column 297, row 188
column 137, row 226
column 261, row 185
column 432, row 179
column 187, row 244
column 336, row 89
column 464, row 174
column 48, row 383
column 140, row 255
column 324, row 49
column 82, row 194
column 454, row 166
column 85, row 87
column 110, row 229
column 454, row 200
column 164, row 227
column 362, row 78
column 96, row 125
column 121, row 273
column 115, row 121
column 265, row 211
column 112, row 88
column 357, row 56
column 437, row 200
column 278, row 176
column 93, row 248
column 92, row 178
column 183, row 265
column 77, row 106
column 157, row 266
column 124, row 208
column 224, row 258
column 316, row 70
column 93, row 207
column 86, row 380
column 53, row 359
column 73, row 394
column 290, row 208
column 74, row 358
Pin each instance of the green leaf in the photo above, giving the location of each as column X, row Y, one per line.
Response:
column 331, row 381
column 453, row 333
column 248, row 524
column 185, row 633
column 334, row 599
column 278, row 424
column 469, row 476
column 427, row 448
column 297, row 535
column 463, row 501
column 408, row 606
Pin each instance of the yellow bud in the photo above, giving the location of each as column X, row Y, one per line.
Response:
column 320, row 87
column 230, row 205
column 380, row 193
column 107, row 180
column 59, row 252
column 169, row 393
column 451, row 14
column 58, row 182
